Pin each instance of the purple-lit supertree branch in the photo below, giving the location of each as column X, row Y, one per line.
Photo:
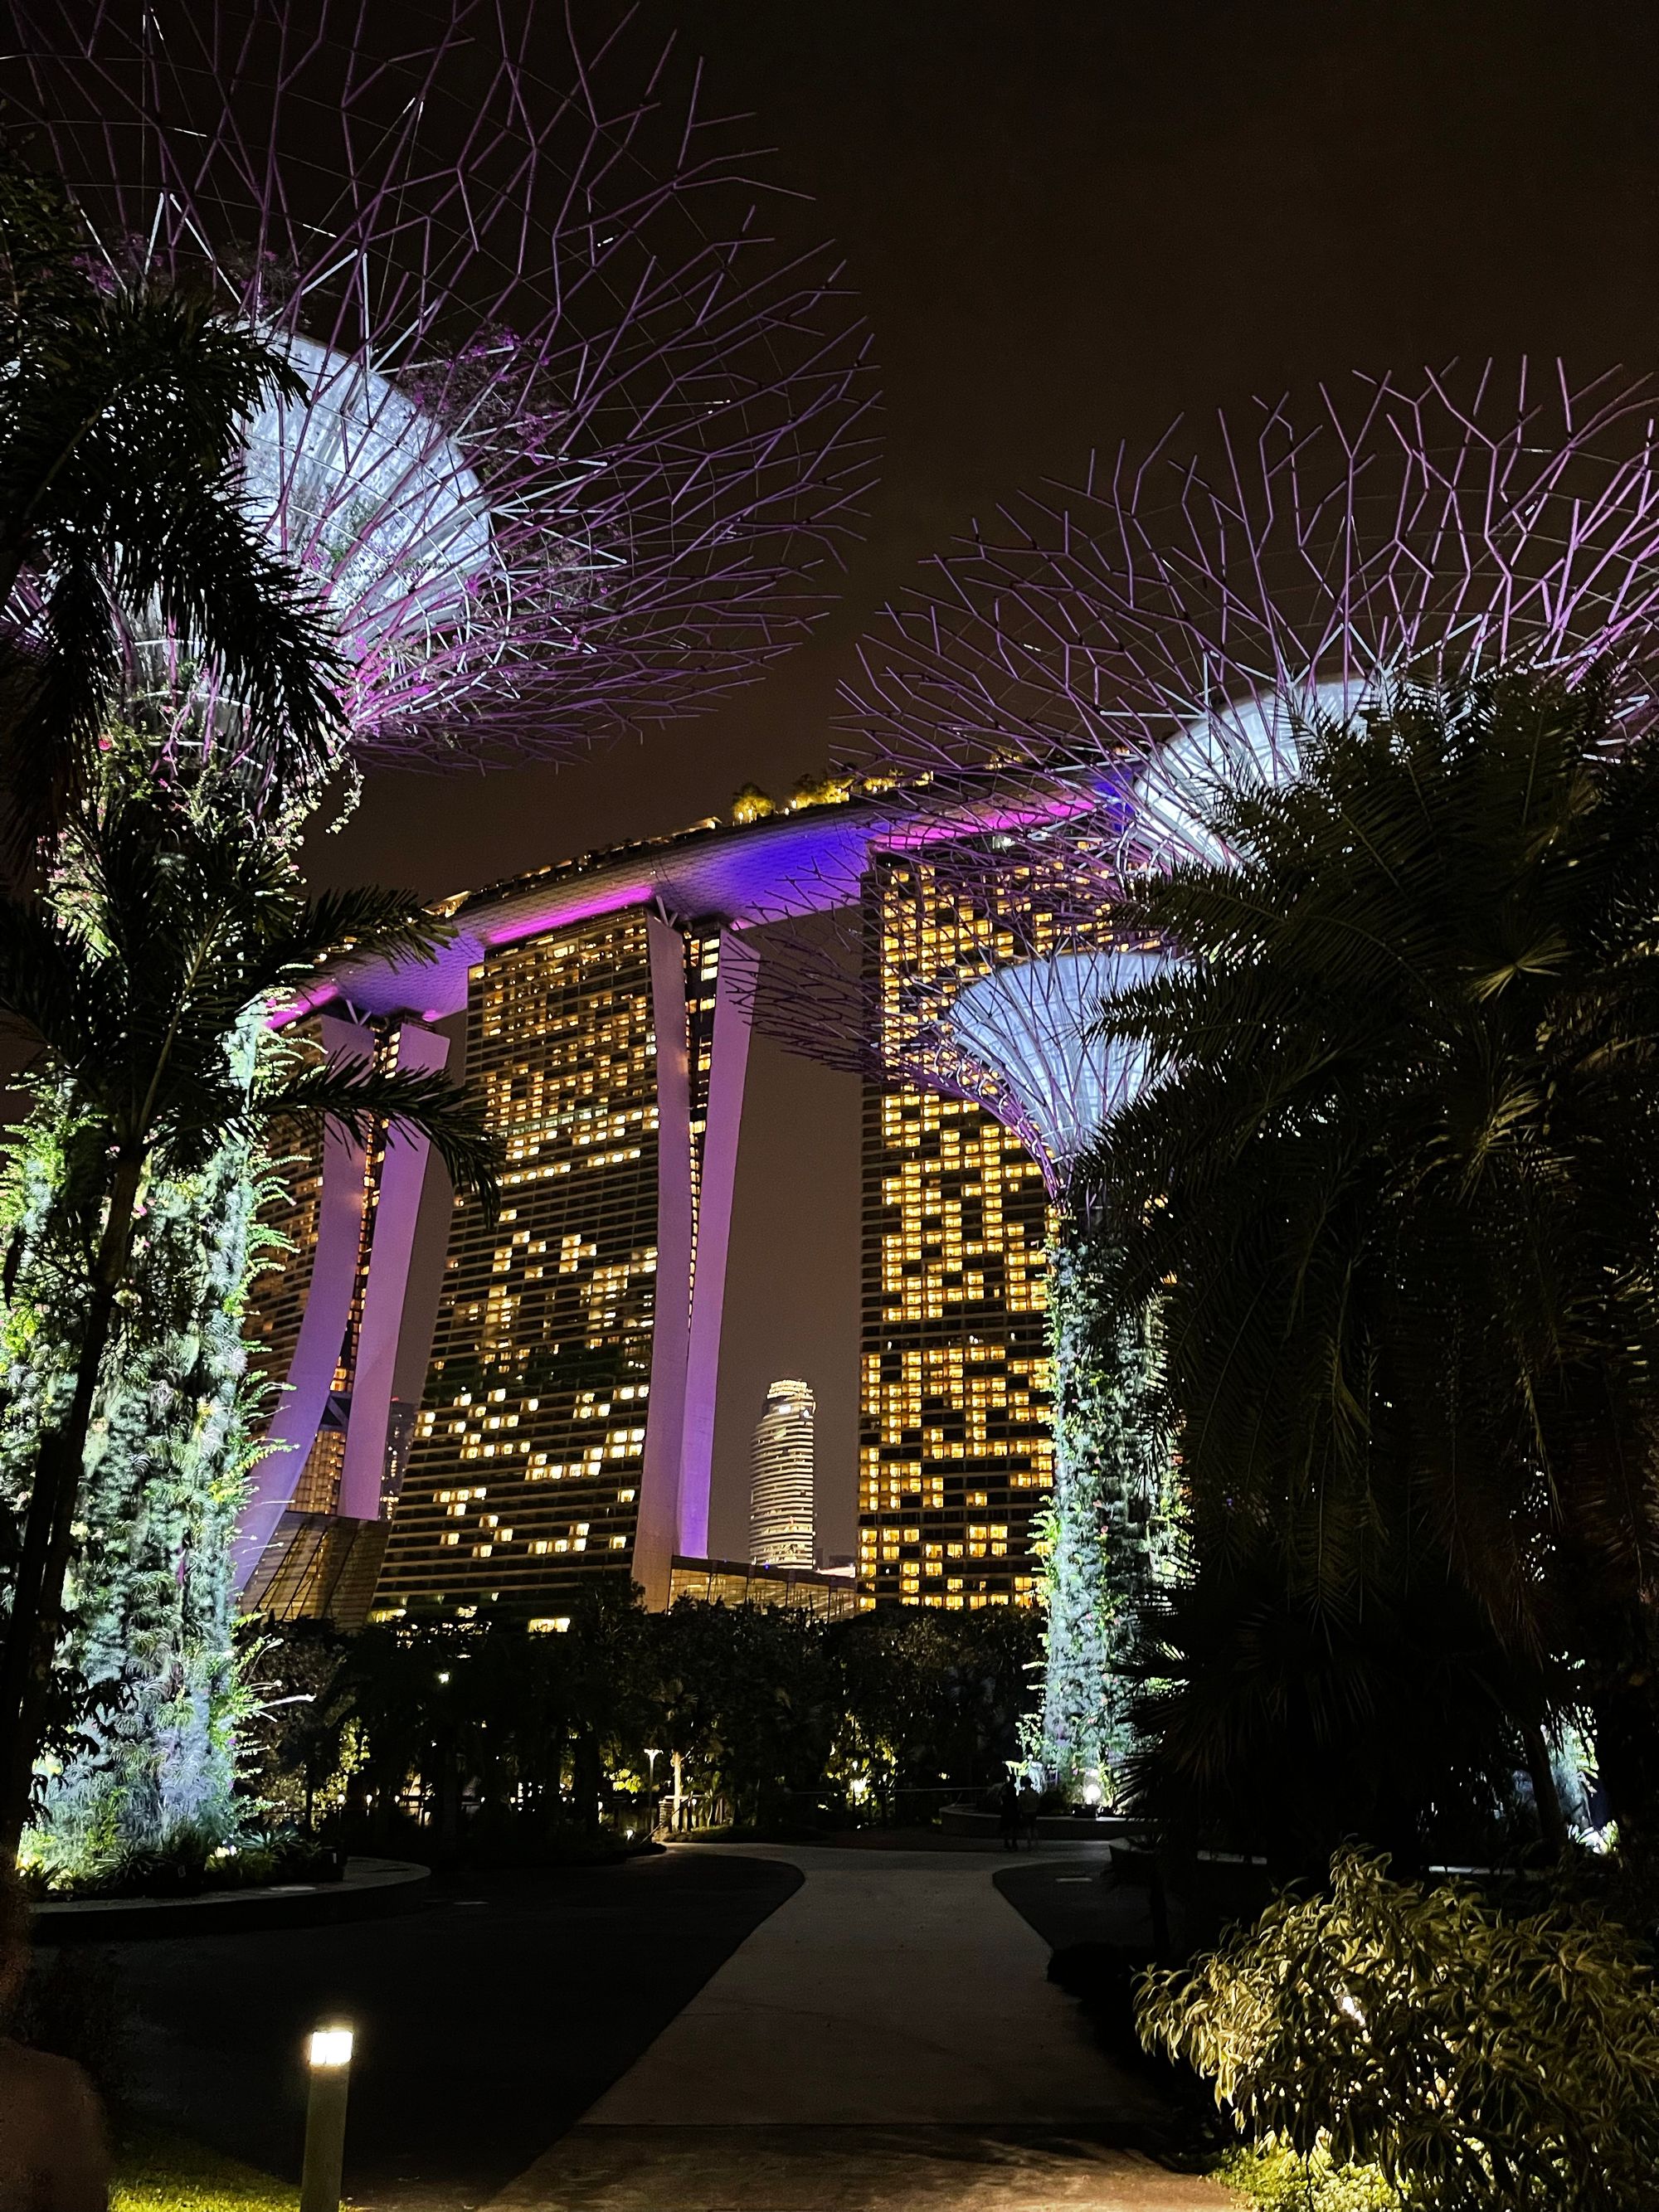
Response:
column 1163, row 627
column 575, row 433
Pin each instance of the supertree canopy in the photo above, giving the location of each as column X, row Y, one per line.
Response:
column 1165, row 625
column 574, row 430
column 1055, row 710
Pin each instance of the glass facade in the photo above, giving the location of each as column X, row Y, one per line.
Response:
column 524, row 1478
column 956, row 1447
column 744, row 1582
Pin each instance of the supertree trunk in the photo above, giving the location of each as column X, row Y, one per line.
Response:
column 1111, row 1532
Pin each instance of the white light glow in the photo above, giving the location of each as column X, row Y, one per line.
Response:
column 331, row 2047
column 1248, row 742
column 371, row 497
column 1026, row 1024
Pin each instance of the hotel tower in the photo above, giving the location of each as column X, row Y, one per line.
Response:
column 956, row 1446
column 564, row 1434
column 601, row 1010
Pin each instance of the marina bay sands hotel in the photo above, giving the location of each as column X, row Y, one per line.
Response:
column 602, row 1010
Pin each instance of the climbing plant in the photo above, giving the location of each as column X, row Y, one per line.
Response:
column 1109, row 1534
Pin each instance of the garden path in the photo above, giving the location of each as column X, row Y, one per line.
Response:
column 886, row 2035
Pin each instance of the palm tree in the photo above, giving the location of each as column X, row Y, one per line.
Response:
column 121, row 405
column 1397, row 1186
column 172, row 928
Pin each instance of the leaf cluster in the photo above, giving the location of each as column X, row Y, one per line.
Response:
column 134, row 985
column 1395, row 1182
column 122, row 401
column 1483, row 2064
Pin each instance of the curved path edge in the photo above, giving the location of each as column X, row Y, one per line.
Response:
column 369, row 1889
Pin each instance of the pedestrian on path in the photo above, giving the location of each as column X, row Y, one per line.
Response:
column 1030, row 1806
column 53, row 2155
column 1008, row 1812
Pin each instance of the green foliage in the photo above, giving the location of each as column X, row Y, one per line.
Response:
column 158, row 2171
column 1109, row 1539
column 147, row 982
column 1480, row 2063
column 769, row 1709
column 121, row 411
column 1396, row 1184
column 1273, row 1726
column 1275, row 2179
column 152, row 1767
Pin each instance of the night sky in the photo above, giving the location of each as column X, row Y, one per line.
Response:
column 1070, row 222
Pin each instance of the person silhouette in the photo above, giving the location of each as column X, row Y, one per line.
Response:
column 1008, row 1815
column 54, row 2156
column 1030, row 1806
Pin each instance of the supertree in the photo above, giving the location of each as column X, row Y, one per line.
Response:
column 1054, row 712
column 575, row 431
column 576, row 435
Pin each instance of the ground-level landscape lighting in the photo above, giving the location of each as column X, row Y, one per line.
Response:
column 329, row 2056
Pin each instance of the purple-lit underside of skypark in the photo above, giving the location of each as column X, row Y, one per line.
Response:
column 812, row 862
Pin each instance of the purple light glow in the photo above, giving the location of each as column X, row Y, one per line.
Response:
column 574, row 434
column 1163, row 628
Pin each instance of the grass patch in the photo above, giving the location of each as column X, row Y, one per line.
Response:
column 156, row 2171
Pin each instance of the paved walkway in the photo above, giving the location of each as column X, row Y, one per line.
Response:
column 887, row 2037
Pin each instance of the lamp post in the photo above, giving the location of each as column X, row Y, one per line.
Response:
column 329, row 2056
column 654, row 1754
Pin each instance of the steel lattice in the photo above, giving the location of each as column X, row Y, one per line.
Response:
column 577, row 432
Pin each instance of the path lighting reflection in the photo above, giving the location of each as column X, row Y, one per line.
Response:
column 329, row 2055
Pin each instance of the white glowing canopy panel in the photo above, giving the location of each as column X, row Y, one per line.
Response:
column 1027, row 1026
column 1252, row 741
column 373, row 499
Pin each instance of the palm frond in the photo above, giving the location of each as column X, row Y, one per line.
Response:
column 355, row 1097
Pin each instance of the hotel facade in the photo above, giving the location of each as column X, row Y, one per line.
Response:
column 564, row 1436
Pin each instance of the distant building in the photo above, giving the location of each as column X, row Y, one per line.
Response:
column 566, row 1432
column 781, row 1497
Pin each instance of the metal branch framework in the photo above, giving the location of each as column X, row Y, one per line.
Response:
column 1057, row 703
column 576, row 433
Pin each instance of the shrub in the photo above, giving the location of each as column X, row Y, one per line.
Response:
column 1482, row 2064
column 1275, row 2179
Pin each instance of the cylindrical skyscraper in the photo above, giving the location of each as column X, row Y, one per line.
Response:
column 781, row 1497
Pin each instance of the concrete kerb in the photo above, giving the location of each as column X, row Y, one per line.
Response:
column 369, row 1889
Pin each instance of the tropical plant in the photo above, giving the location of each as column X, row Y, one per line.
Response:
column 122, row 403
column 1272, row 1724
column 170, row 930
column 1481, row 2064
column 1394, row 1186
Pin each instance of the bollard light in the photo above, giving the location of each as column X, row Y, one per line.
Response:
column 329, row 2054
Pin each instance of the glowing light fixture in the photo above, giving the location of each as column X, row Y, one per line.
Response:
column 330, row 2046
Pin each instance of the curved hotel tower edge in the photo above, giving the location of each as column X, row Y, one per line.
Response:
column 566, row 1431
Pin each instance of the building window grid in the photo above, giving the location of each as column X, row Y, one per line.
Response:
column 540, row 1380
column 956, row 1452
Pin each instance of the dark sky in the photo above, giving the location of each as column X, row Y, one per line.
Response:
column 1069, row 221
